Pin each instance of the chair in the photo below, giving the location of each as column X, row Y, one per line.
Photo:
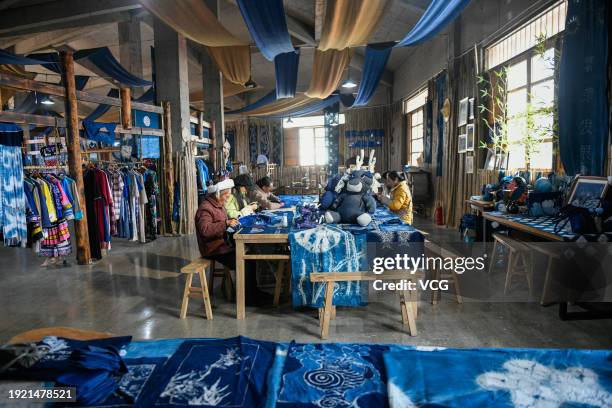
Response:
column 551, row 256
column 517, row 252
column 197, row 267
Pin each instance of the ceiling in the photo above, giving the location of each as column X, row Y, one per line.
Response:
column 92, row 28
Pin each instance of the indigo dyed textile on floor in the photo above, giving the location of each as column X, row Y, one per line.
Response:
column 499, row 377
column 333, row 375
column 209, row 373
column 326, row 248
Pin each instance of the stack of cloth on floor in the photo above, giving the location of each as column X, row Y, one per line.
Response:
column 243, row 372
column 92, row 367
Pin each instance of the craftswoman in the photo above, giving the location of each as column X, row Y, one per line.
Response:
column 238, row 204
column 400, row 201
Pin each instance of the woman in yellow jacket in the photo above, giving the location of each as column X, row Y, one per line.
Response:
column 400, row 202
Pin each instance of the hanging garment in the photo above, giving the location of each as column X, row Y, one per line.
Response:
column 12, row 197
column 151, row 214
column 92, row 193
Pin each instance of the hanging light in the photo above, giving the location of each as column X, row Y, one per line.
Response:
column 46, row 100
column 250, row 84
column 349, row 83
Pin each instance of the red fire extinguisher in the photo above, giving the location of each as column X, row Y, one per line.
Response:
column 439, row 215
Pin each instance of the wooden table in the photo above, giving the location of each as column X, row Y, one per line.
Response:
column 537, row 232
column 243, row 242
column 480, row 206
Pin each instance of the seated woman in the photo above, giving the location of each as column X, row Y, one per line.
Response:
column 400, row 202
column 238, row 203
column 212, row 222
column 261, row 193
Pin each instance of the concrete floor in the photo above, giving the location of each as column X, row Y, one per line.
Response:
column 137, row 290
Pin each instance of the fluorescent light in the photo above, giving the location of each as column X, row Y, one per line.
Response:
column 47, row 101
column 349, row 84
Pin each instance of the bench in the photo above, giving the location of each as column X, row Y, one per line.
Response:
column 197, row 266
column 408, row 299
column 433, row 249
column 518, row 252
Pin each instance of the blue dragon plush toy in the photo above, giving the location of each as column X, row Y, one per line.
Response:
column 354, row 204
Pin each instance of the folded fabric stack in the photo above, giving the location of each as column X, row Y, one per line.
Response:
column 93, row 367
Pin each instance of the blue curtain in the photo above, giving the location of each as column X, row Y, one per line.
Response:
column 105, row 61
column 440, row 96
column 148, row 96
column 286, row 67
column 331, row 117
column 583, row 101
column 265, row 100
column 267, row 24
column 428, row 131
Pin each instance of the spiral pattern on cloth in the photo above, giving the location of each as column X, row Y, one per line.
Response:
column 324, row 379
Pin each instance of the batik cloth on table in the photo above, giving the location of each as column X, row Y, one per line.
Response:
column 208, row 373
column 266, row 222
column 333, row 375
column 326, row 248
column 545, row 223
column 500, row 378
column 292, row 200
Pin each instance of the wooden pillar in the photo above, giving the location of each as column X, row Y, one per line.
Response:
column 201, row 124
column 213, row 145
column 168, row 169
column 74, row 156
column 126, row 108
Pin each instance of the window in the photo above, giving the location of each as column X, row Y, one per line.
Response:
column 416, row 135
column 549, row 23
column 413, row 107
column 313, row 146
column 530, row 109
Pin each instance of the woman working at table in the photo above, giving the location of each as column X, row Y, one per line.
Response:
column 212, row 223
column 261, row 193
column 400, row 201
column 238, row 204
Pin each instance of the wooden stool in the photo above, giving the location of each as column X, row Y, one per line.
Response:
column 518, row 251
column 227, row 284
column 198, row 266
column 441, row 252
column 551, row 257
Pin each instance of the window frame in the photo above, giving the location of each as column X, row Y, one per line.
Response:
column 527, row 56
column 314, row 137
column 410, row 128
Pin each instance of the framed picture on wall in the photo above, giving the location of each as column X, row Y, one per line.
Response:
column 469, row 164
column 462, row 144
column 470, row 138
column 471, row 109
column 490, row 160
column 587, row 192
column 463, row 112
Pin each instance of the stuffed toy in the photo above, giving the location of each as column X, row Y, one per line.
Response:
column 354, row 204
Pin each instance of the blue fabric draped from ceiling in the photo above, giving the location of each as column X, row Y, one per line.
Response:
column 12, row 59
column 286, row 67
column 267, row 24
column 102, row 109
column 104, row 60
column 263, row 101
column 314, row 107
column 374, row 65
column 583, row 101
column 436, row 17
